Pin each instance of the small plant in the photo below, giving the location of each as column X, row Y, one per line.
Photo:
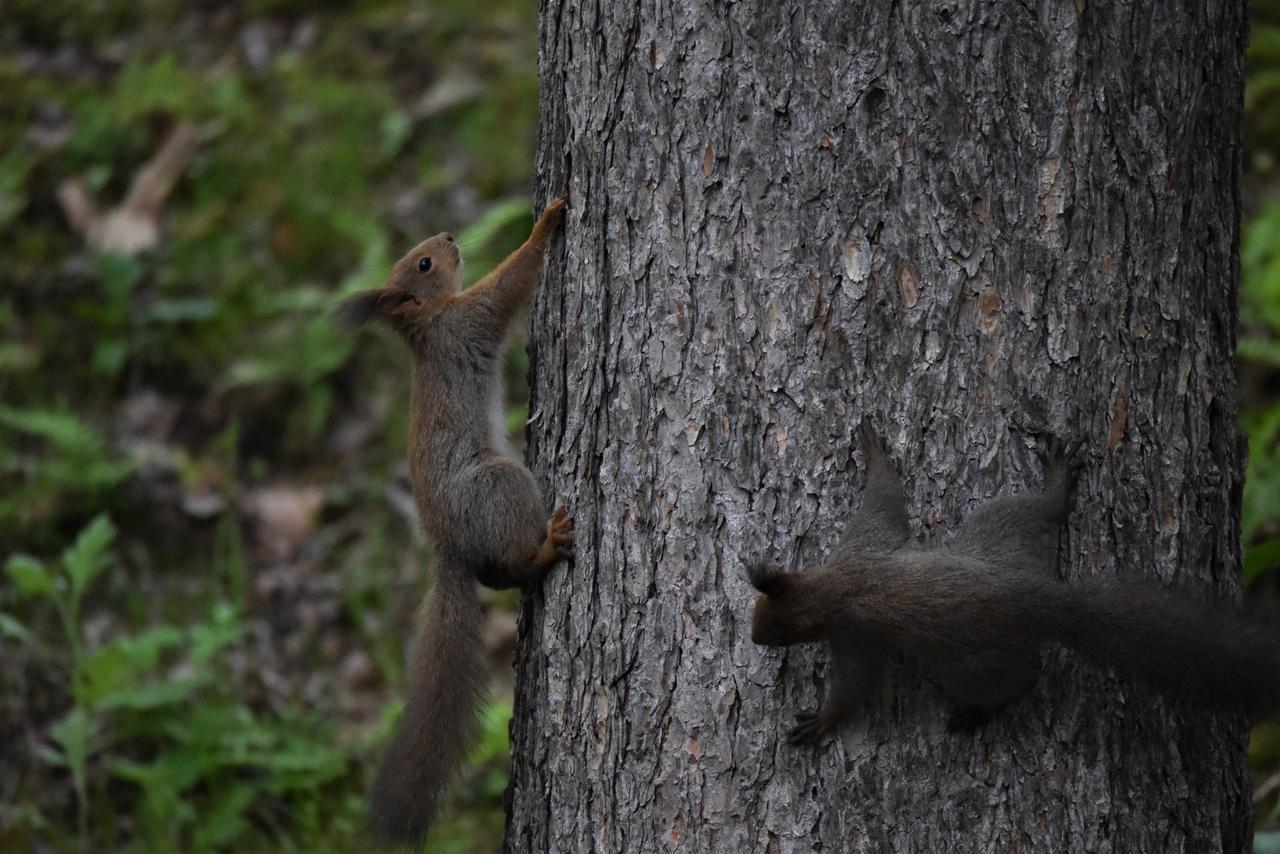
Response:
column 155, row 727
column 51, row 456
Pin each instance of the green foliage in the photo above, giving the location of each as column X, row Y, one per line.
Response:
column 156, row 722
column 284, row 208
column 317, row 164
column 1260, row 258
column 49, row 458
column 1259, row 347
column 1262, row 85
column 1262, row 491
column 1259, row 353
column 1261, row 507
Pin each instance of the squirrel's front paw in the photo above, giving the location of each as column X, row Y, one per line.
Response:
column 1060, row 457
column 870, row 443
column 552, row 213
column 808, row 731
column 556, row 206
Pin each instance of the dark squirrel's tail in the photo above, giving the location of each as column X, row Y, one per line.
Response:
column 1207, row 653
column 446, row 681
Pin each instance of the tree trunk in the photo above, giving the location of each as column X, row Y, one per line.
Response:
column 967, row 221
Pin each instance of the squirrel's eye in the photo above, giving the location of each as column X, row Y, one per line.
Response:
column 424, row 265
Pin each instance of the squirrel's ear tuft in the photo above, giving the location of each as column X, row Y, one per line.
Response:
column 356, row 310
column 769, row 580
column 361, row 307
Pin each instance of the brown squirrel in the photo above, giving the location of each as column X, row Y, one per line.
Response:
column 482, row 510
column 976, row 612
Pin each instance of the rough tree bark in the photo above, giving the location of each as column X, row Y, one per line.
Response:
column 967, row 220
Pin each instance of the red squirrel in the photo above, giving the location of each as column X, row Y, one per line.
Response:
column 483, row 511
column 976, row 612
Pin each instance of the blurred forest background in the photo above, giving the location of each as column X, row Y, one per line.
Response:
column 211, row 559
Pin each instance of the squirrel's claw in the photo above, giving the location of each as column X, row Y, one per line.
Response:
column 556, row 206
column 560, row 532
column 1058, row 455
column 808, row 730
column 552, row 214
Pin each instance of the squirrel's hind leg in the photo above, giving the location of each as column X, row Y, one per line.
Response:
column 509, row 535
column 880, row 525
column 536, row 561
column 1020, row 532
column 981, row 686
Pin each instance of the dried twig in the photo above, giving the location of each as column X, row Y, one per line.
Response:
column 134, row 225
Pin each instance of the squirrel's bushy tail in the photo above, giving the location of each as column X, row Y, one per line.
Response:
column 1207, row 653
column 446, row 682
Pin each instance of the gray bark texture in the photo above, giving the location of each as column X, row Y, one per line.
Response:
column 968, row 221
